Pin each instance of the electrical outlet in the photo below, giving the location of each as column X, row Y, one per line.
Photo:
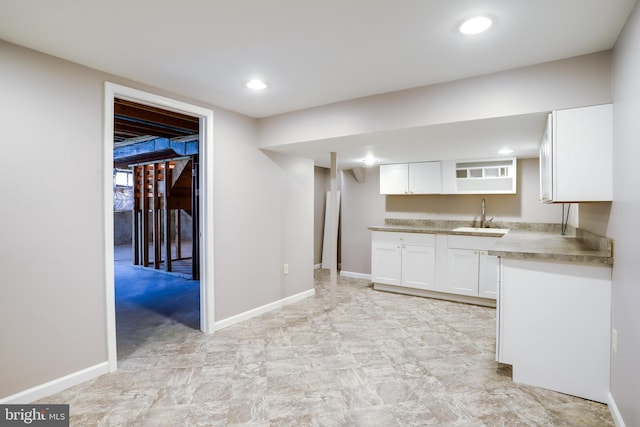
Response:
column 285, row 269
column 614, row 340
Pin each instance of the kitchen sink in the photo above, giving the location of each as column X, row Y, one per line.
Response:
column 479, row 230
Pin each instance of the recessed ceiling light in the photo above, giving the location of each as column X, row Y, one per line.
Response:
column 369, row 161
column 475, row 25
column 256, row 84
column 505, row 151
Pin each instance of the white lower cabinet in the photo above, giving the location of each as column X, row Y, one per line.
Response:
column 554, row 325
column 403, row 259
column 386, row 263
column 488, row 275
column 462, row 271
column 470, row 269
column 453, row 264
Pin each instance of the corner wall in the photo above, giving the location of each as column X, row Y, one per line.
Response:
column 572, row 82
column 53, row 304
column 52, row 297
column 623, row 222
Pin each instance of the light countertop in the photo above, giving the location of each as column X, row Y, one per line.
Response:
column 523, row 241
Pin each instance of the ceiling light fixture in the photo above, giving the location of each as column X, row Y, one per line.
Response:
column 369, row 161
column 475, row 25
column 506, row 151
column 256, row 84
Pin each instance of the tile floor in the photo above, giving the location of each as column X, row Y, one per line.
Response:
column 378, row 359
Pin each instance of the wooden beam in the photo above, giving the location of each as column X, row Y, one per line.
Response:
column 195, row 218
column 178, row 233
column 157, row 252
column 148, row 113
column 144, row 208
column 124, row 128
column 135, row 223
column 167, row 216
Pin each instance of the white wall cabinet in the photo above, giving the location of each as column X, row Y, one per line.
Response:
column 403, row 259
column 411, row 178
column 491, row 176
column 470, row 269
column 554, row 325
column 576, row 155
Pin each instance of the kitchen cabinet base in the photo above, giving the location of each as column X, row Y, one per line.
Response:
column 554, row 325
column 434, row 294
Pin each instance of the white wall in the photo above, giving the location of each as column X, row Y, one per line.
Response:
column 52, row 301
column 263, row 213
column 572, row 82
column 623, row 223
column 362, row 206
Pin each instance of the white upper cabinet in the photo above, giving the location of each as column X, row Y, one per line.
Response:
column 576, row 156
column 411, row 178
column 492, row 176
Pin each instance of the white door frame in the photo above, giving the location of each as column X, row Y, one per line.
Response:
column 112, row 91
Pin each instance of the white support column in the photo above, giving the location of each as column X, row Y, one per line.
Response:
column 333, row 222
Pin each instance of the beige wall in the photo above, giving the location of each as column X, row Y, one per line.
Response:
column 52, row 302
column 623, row 222
column 364, row 206
column 263, row 213
column 572, row 82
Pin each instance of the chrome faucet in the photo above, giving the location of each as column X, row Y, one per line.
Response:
column 483, row 215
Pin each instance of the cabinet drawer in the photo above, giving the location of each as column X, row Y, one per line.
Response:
column 386, row 237
column 471, row 242
column 420, row 239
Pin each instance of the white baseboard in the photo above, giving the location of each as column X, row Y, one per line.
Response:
column 615, row 412
column 224, row 323
column 355, row 275
column 47, row 389
column 317, row 266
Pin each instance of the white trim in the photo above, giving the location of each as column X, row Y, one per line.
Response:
column 317, row 266
column 355, row 275
column 615, row 412
column 224, row 323
column 112, row 350
column 486, row 302
column 112, row 90
column 55, row 386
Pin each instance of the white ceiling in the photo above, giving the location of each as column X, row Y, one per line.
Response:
column 309, row 52
column 475, row 139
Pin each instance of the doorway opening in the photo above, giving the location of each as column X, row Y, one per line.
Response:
column 158, row 159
